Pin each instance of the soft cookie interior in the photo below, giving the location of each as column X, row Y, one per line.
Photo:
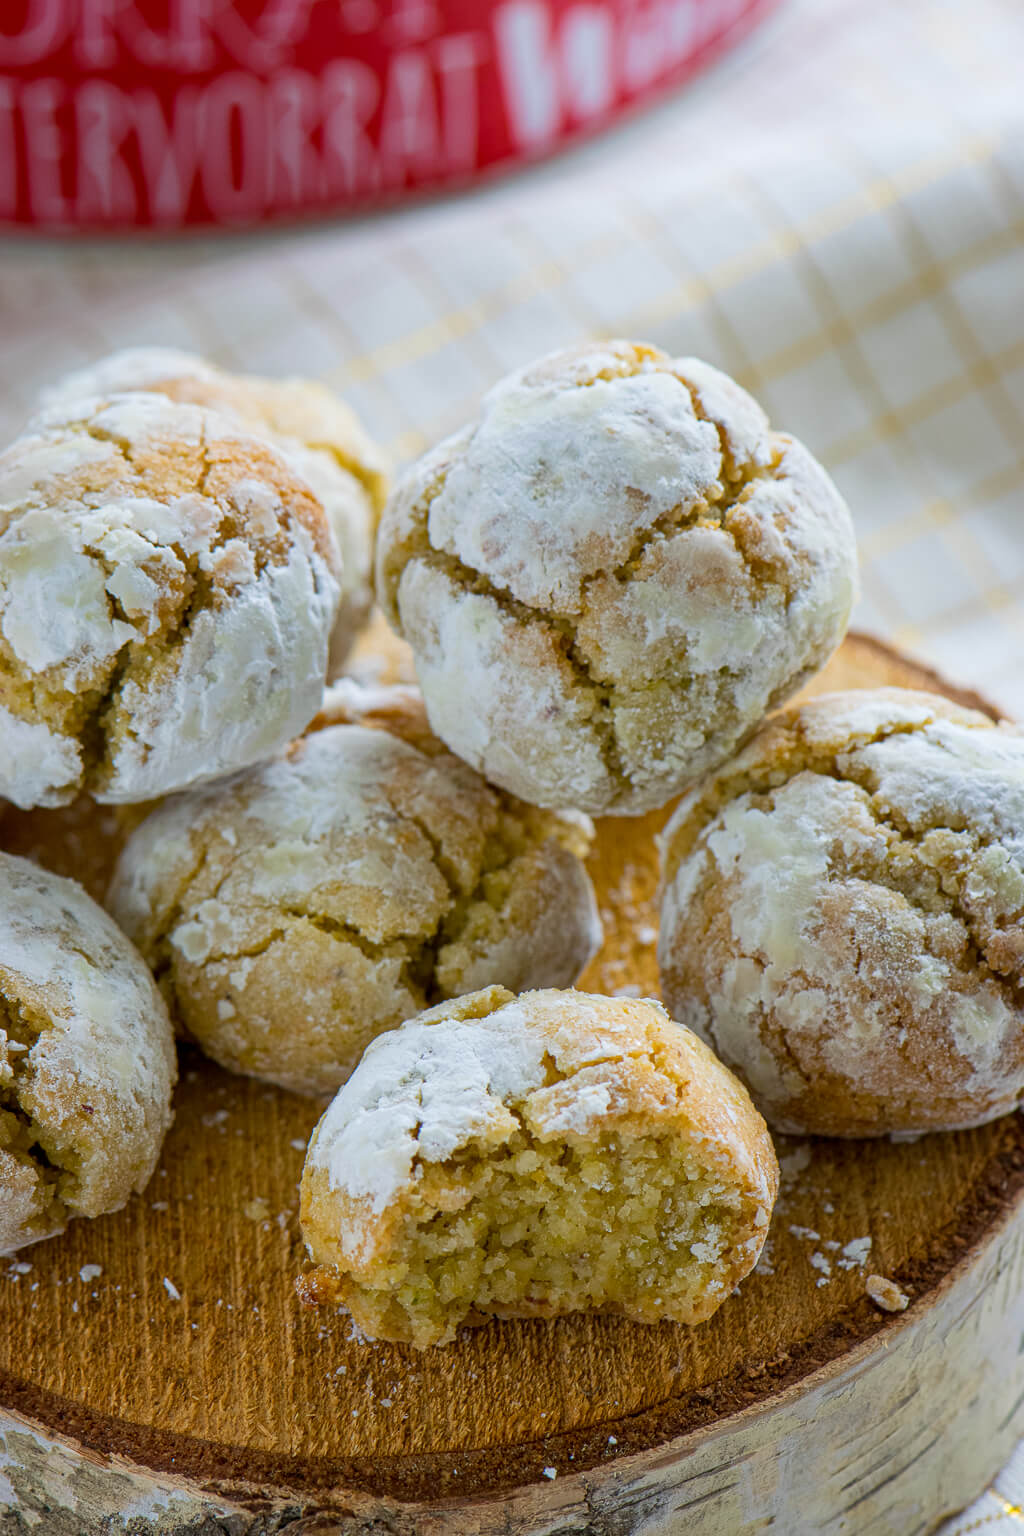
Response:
column 637, row 1225
column 533, row 1156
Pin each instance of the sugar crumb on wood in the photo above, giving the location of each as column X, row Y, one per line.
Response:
column 855, row 1253
column 823, row 1265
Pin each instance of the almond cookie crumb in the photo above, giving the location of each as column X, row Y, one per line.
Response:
column 885, row 1293
column 530, row 1157
column 610, row 578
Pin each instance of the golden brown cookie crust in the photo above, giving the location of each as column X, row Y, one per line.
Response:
column 320, row 435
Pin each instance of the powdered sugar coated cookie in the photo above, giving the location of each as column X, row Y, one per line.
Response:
column 87, row 1059
column 610, row 578
column 843, row 915
column 168, row 584
column 532, row 1156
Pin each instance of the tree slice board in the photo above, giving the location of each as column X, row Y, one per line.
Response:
column 157, row 1373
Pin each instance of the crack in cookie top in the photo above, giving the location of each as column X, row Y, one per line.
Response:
column 320, row 435
column 295, row 910
column 611, row 577
column 168, row 584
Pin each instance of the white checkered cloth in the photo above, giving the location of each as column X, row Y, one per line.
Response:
column 835, row 215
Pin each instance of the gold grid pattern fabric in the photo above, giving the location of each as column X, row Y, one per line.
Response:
column 835, row 215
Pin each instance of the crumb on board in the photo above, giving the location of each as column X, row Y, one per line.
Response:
column 792, row 1164
column 766, row 1263
column 171, row 1289
column 90, row 1272
column 832, row 1254
column 885, row 1293
column 256, row 1209
column 855, row 1253
column 551, row 1472
column 823, row 1265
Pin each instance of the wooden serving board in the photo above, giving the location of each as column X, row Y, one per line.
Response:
column 157, row 1373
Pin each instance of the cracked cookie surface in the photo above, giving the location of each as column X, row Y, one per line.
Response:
column 87, row 1059
column 613, row 575
column 168, row 584
column 309, row 424
column 294, row 911
column 532, row 1156
column 843, row 915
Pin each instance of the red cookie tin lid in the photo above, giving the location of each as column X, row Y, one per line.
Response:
column 160, row 114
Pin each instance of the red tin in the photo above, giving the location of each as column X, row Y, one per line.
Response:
column 161, row 114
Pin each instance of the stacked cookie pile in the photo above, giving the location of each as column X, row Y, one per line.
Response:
column 607, row 583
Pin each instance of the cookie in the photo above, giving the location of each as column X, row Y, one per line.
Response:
column 309, row 424
column 531, row 1157
column 294, row 911
column 87, row 1059
column 611, row 577
column 168, row 585
column 843, row 915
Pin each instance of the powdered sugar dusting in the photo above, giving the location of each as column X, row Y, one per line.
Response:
column 306, row 904
column 248, row 678
column 41, row 766
column 315, row 432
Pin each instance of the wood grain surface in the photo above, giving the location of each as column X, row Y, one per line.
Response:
column 169, row 1334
